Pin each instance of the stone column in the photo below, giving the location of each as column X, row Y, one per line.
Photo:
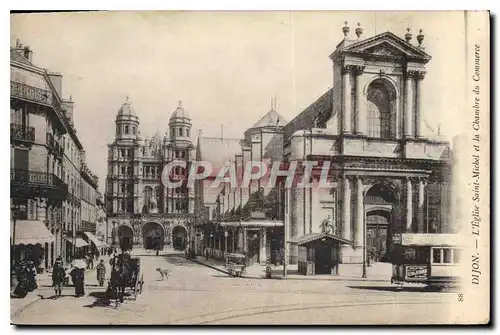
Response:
column 409, row 205
column 245, row 241
column 359, row 112
column 421, row 203
column 263, row 242
column 346, row 100
column 360, row 213
column 408, row 104
column 346, row 209
column 418, row 112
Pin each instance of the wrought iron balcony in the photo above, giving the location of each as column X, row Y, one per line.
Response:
column 29, row 184
column 22, row 133
column 31, row 93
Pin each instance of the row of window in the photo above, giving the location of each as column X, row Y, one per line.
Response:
column 180, row 131
column 178, row 206
column 445, row 255
column 126, row 130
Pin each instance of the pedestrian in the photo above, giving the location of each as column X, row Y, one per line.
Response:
column 58, row 276
column 91, row 261
column 30, row 266
column 101, row 272
column 78, row 278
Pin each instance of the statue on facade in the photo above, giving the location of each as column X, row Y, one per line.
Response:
column 153, row 205
column 328, row 226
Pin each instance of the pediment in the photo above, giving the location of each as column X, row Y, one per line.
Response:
column 387, row 45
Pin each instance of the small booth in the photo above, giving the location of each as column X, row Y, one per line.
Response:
column 319, row 253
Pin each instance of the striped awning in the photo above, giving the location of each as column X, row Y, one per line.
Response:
column 313, row 237
column 31, row 232
column 94, row 239
column 79, row 242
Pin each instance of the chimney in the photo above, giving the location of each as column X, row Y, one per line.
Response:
column 56, row 80
column 25, row 51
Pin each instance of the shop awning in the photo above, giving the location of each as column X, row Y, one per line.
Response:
column 79, row 242
column 31, row 232
column 94, row 239
column 252, row 223
column 316, row 237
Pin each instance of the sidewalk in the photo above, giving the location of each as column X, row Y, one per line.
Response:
column 44, row 290
column 380, row 272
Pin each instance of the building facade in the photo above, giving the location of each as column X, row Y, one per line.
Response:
column 386, row 176
column 140, row 210
column 45, row 163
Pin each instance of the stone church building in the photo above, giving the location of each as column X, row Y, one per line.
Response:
column 141, row 212
column 388, row 177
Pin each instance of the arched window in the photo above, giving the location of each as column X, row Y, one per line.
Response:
column 187, row 132
column 180, row 131
column 126, row 130
column 148, row 192
column 380, row 110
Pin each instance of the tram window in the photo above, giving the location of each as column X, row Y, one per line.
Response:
column 456, row 255
column 436, row 255
column 446, row 255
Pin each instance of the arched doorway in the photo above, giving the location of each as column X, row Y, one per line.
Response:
column 125, row 237
column 179, row 237
column 380, row 201
column 153, row 236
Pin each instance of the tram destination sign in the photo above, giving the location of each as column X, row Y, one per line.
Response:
column 416, row 271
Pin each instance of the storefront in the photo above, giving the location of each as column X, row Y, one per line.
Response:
column 32, row 241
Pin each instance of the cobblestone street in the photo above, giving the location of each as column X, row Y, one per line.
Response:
column 196, row 294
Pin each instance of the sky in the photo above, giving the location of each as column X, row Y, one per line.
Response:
column 224, row 66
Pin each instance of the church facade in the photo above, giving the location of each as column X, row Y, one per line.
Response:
column 388, row 174
column 141, row 212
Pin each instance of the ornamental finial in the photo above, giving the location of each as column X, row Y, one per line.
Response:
column 126, row 99
column 359, row 30
column 345, row 29
column 420, row 38
column 180, row 103
column 408, row 35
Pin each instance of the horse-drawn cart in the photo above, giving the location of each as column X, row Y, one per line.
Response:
column 126, row 279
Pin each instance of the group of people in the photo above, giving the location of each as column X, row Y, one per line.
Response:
column 59, row 277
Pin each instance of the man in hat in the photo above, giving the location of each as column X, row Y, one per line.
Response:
column 58, row 276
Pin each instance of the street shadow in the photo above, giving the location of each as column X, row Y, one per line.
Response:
column 396, row 289
column 101, row 299
column 177, row 260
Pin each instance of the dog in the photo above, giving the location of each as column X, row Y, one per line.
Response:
column 164, row 273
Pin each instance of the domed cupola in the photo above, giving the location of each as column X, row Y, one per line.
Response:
column 180, row 126
column 127, row 122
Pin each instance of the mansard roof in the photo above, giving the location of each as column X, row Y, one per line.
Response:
column 386, row 45
column 17, row 57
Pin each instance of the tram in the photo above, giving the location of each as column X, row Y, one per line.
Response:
column 431, row 259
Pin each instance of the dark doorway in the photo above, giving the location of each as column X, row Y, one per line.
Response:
column 377, row 225
column 125, row 236
column 253, row 240
column 179, row 237
column 153, row 236
column 323, row 259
